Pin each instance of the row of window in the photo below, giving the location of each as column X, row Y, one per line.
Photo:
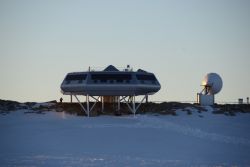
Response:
column 111, row 78
column 122, row 77
column 76, row 77
column 122, row 81
column 111, row 81
column 78, row 81
column 146, row 77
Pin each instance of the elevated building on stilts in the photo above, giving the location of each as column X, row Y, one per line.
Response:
column 110, row 86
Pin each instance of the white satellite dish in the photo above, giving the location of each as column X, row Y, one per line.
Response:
column 212, row 83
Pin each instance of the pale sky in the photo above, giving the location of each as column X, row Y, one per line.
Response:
column 178, row 40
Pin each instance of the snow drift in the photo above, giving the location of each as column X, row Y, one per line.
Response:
column 60, row 139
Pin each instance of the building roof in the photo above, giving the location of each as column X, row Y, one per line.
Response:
column 111, row 68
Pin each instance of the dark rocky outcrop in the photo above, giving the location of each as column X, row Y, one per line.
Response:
column 165, row 108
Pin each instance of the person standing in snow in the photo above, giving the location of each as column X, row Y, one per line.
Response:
column 61, row 99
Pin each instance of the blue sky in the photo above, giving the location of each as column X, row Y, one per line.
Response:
column 180, row 41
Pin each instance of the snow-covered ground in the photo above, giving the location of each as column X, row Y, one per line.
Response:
column 58, row 139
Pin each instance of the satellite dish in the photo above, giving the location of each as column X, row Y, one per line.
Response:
column 212, row 83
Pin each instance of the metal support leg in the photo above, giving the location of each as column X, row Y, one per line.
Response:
column 87, row 99
column 127, row 102
column 133, row 103
column 96, row 100
column 71, row 98
column 131, row 99
column 102, row 99
column 118, row 103
column 88, row 109
column 145, row 97
column 81, row 104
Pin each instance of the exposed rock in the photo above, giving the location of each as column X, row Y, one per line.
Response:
column 165, row 108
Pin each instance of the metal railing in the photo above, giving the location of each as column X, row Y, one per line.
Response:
column 102, row 68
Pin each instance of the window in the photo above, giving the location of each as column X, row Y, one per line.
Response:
column 146, row 77
column 120, row 81
column 111, row 76
column 75, row 77
column 103, row 81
